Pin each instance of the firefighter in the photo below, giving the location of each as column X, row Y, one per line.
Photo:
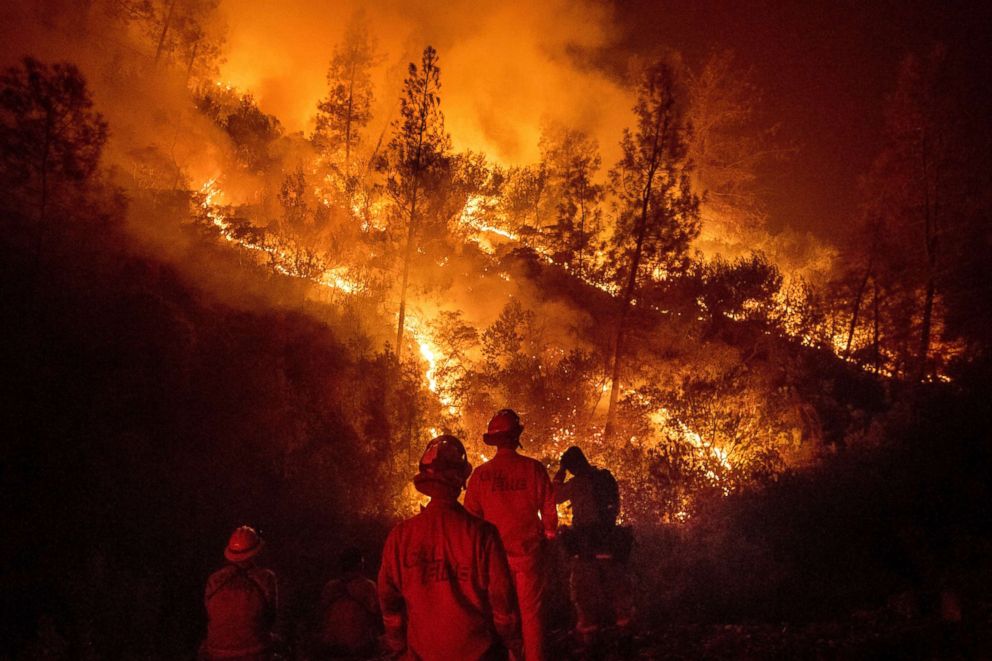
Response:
column 599, row 584
column 445, row 587
column 242, row 602
column 350, row 620
column 514, row 493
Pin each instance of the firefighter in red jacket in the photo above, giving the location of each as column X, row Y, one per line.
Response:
column 514, row 493
column 444, row 586
column 242, row 602
column 350, row 620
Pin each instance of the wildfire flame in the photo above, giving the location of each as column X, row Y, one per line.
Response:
column 471, row 218
column 283, row 259
column 477, row 215
column 432, row 354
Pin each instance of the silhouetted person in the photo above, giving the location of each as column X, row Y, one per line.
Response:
column 513, row 492
column 445, row 586
column 599, row 584
column 350, row 619
column 242, row 601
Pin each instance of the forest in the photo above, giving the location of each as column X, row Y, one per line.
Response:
column 212, row 319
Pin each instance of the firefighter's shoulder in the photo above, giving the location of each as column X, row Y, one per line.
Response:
column 482, row 527
column 401, row 529
column 220, row 576
column 535, row 464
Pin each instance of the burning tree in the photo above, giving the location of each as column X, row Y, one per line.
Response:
column 571, row 160
column 921, row 196
column 728, row 146
column 418, row 153
column 657, row 214
column 182, row 31
column 524, row 198
column 347, row 108
column 251, row 130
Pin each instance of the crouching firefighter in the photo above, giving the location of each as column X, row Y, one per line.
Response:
column 444, row 586
column 350, row 621
column 513, row 492
column 242, row 604
column 599, row 583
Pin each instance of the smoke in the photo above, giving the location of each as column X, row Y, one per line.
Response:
column 508, row 69
column 505, row 69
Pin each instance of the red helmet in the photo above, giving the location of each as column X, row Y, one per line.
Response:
column 504, row 427
column 245, row 543
column 444, row 461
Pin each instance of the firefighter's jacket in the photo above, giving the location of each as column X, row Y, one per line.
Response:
column 445, row 587
column 242, row 603
column 510, row 490
column 350, row 610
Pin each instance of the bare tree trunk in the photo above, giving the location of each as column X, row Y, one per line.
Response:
column 579, row 267
column 367, row 198
column 876, row 353
column 537, row 208
column 628, row 291
column 192, row 59
column 926, row 328
column 43, row 195
column 618, row 342
column 347, row 123
column 855, row 312
column 411, row 231
column 407, row 257
column 930, row 243
column 165, row 30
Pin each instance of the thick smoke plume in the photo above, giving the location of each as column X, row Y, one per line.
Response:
column 507, row 69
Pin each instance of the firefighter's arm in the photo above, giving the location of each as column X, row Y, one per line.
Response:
column 502, row 596
column 549, row 513
column 562, row 489
column 391, row 599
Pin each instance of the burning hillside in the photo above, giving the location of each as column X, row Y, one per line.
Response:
column 253, row 279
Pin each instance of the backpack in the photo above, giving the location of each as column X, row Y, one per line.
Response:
column 346, row 622
column 607, row 495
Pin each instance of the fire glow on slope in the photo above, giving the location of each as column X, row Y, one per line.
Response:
column 334, row 278
column 429, row 350
column 485, row 225
column 282, row 259
column 433, row 356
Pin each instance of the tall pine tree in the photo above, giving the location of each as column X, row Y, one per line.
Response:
column 418, row 150
column 347, row 108
column 657, row 214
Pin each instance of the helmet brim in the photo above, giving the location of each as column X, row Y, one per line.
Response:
column 233, row 555
column 501, row 437
column 432, row 484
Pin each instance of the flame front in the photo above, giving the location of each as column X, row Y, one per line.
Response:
column 283, row 260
